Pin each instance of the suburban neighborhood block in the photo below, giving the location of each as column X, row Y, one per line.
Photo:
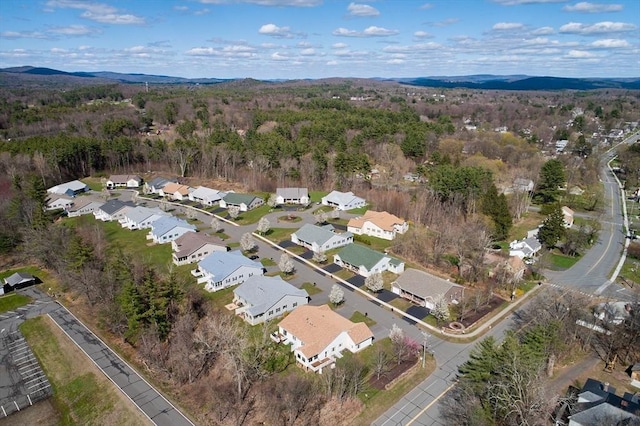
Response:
column 206, row 196
column 123, row 181
column 175, row 191
column 58, row 202
column 244, row 202
column 141, row 217
column 155, row 185
column 261, row 298
column 70, row 189
column 320, row 238
column 113, row 210
column 82, row 206
column 318, row 336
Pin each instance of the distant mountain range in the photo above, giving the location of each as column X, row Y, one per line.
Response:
column 28, row 75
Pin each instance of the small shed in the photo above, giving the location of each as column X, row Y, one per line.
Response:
column 17, row 281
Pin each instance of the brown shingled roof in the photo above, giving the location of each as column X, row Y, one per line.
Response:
column 192, row 241
column 383, row 220
column 318, row 326
column 172, row 188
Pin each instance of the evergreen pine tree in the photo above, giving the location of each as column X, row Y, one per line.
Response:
column 552, row 229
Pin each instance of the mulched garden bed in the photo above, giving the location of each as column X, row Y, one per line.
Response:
column 471, row 318
column 391, row 375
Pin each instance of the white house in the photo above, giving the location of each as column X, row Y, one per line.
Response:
column 261, row 298
column 222, row 269
column 141, row 217
column 70, row 189
column 292, row 196
column 58, row 202
column 82, row 206
column 523, row 185
column 123, row 181
column 193, row 247
column 525, row 249
column 320, row 238
column 378, row 224
column 567, row 217
column 318, row 336
column 113, row 210
column 175, row 191
column 365, row 261
column 206, row 196
column 343, row 200
column 244, row 202
column 169, row 228
column 156, row 184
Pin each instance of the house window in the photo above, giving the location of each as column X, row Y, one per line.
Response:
column 271, row 313
column 295, row 304
column 277, row 309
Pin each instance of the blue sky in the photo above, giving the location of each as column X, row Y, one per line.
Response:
column 286, row 39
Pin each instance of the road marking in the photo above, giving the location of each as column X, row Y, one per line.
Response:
column 430, row 404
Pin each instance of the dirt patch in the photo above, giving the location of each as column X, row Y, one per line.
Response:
column 472, row 317
column 41, row 413
column 391, row 375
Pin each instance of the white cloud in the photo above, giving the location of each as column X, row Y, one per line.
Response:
column 201, row 12
column 422, row 34
column 238, row 50
column 580, row 54
column 332, row 63
column 308, row 52
column 273, row 30
column 426, row 6
column 356, row 9
column 412, row 48
column 507, row 26
column 610, row 43
column 339, row 45
column 445, row 23
column 74, row 30
column 586, row 7
column 396, row 61
column 23, row 34
column 597, row 28
column 181, row 8
column 518, row 2
column 292, row 3
column 277, row 56
column 543, row 31
column 98, row 12
column 372, row 31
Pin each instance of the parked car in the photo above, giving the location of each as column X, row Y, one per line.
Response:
column 254, row 257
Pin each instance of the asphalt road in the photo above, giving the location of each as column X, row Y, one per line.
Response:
column 592, row 273
column 157, row 408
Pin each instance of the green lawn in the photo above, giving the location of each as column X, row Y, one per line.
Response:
column 563, row 262
column 316, row 196
column 630, row 271
column 218, row 298
column 267, row 262
column 33, row 270
column 252, row 216
column 279, row 234
column 374, row 243
column 400, row 303
column 310, row 288
column 94, row 183
column 360, row 317
column 359, row 210
column 12, row 301
column 345, row 274
column 133, row 242
column 529, row 221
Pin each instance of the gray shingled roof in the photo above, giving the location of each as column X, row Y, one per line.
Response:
column 292, row 193
column 236, row 198
column 112, row 206
column 316, row 234
column 423, row 284
column 222, row 263
column 18, row 278
column 264, row 292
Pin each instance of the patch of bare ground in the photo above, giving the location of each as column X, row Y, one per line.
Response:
column 41, row 413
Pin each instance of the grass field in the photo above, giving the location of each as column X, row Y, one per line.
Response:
column 133, row 242
column 311, row 289
column 279, row 234
column 316, row 196
column 94, row 183
column 252, row 216
column 563, row 262
column 360, row 317
column 82, row 395
column 530, row 220
column 12, row 301
column 359, row 210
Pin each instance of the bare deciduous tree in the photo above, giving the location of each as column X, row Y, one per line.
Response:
column 247, row 242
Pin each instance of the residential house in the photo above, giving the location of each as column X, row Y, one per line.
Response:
column 561, row 145
column 222, row 269
column 634, row 372
column 423, row 289
column 155, row 185
column 193, row 247
column 82, row 206
column 525, row 249
column 58, row 202
column 567, row 216
column 123, row 181
column 169, row 228
column 320, row 238
column 378, row 224
column 70, row 189
column 141, row 217
column 113, row 210
column 17, row 281
column 175, row 191
column 292, row 196
column 516, row 268
column 244, row 202
column 365, row 261
column 206, row 196
column 614, row 312
column 597, row 404
column 318, row 336
column 261, row 298
column 343, row 200
column 522, row 185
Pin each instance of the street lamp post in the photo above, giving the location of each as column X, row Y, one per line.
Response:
column 425, row 336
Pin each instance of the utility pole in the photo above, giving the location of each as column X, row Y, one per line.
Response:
column 425, row 336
